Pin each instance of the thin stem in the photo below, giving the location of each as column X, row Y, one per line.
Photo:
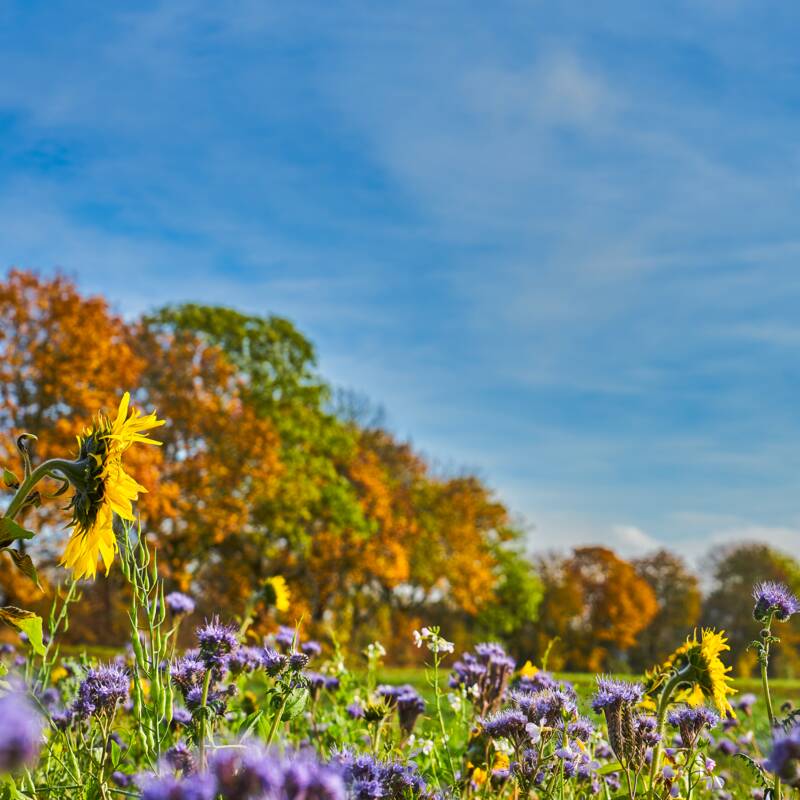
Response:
column 763, row 660
column 68, row 468
column 277, row 719
column 203, row 714
column 666, row 695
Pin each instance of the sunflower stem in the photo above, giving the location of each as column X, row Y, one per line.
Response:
column 663, row 704
column 70, row 469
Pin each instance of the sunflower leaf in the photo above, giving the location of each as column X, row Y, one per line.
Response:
column 28, row 623
column 10, row 531
column 25, row 566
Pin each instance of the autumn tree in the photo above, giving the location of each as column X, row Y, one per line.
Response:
column 677, row 592
column 596, row 605
column 735, row 569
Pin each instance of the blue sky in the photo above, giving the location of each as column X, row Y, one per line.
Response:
column 558, row 242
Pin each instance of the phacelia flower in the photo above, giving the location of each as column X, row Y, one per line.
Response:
column 187, row 672
column 179, row 603
column 197, row 786
column 102, row 487
column 217, row 642
column 273, row 662
column 774, row 599
column 285, row 638
column 691, row 722
column 20, row 732
column 485, row 674
column 616, row 699
column 511, row 724
column 297, row 661
column 100, row 692
column 784, row 760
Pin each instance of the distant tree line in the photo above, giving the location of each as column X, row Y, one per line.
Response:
column 264, row 470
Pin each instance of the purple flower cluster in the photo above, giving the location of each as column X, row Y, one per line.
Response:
column 784, row 760
column 179, row 603
column 217, row 642
column 548, row 707
column 251, row 773
column 774, row 599
column 629, row 734
column 317, row 682
column 101, row 690
column 485, row 673
column 691, row 722
column 407, row 701
column 368, row 778
column 536, row 683
column 20, row 732
column 509, row 724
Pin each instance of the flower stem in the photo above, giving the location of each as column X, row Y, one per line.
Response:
column 763, row 661
column 663, row 704
column 277, row 719
column 69, row 469
column 203, row 715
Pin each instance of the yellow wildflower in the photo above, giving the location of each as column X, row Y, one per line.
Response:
column 528, row 670
column 104, row 488
column 276, row 593
column 706, row 676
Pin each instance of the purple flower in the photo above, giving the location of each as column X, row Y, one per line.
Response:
column 20, row 732
column 581, row 728
column 101, row 690
column 180, row 758
column 121, row 779
column 613, row 692
column 486, row 672
column 273, row 662
column 774, row 599
column 256, row 773
column 244, row 659
column 355, row 711
column 727, row 747
column 187, row 672
column 311, row 648
column 745, row 703
column 179, row 603
column 691, row 722
column 180, row 716
column 198, row 786
column 784, row 760
column 285, row 637
column 297, row 661
column 506, row 725
column 217, row 642
column 369, row 778
column 537, row 683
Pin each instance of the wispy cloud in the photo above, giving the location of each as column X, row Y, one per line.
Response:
column 557, row 243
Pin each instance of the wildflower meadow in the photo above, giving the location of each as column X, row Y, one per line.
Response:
column 216, row 710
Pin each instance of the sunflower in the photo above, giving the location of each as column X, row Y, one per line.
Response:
column 104, row 488
column 276, row 593
column 706, row 676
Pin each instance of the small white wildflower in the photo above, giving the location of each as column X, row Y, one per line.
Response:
column 534, row 731
column 418, row 640
column 503, row 746
column 455, row 701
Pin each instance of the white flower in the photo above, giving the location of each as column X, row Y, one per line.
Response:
column 503, row 746
column 375, row 651
column 455, row 701
column 534, row 731
column 434, row 642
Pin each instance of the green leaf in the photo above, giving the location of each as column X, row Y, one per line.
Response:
column 116, row 754
column 247, row 725
column 614, row 766
column 25, row 566
column 10, row 531
column 10, row 479
column 26, row 621
column 295, row 704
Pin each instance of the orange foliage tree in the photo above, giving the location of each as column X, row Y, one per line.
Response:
column 256, row 476
column 596, row 604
